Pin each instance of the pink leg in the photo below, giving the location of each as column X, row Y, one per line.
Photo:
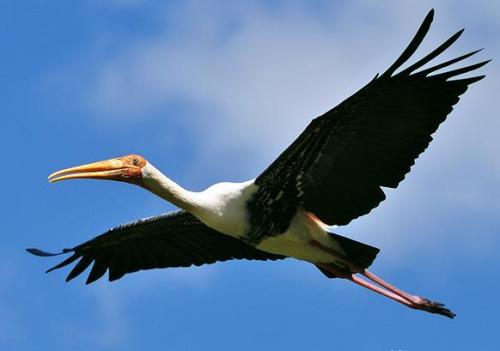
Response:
column 388, row 290
column 379, row 290
column 416, row 302
column 390, row 287
column 343, row 273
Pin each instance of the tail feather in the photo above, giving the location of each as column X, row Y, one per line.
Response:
column 359, row 253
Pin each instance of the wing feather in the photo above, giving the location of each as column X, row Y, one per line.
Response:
column 176, row 239
column 337, row 166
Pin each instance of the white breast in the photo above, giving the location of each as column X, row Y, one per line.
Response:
column 225, row 207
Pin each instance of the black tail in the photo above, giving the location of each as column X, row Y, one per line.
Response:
column 360, row 254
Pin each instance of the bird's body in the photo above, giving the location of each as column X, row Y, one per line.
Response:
column 331, row 174
column 225, row 208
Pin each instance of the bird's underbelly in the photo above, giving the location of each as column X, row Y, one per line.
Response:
column 296, row 241
column 229, row 215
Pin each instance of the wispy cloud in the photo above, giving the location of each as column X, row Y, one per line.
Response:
column 112, row 326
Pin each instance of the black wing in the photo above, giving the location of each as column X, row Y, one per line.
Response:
column 176, row 239
column 337, row 165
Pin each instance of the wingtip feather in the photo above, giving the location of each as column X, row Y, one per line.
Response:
column 460, row 71
column 430, row 15
column 413, row 46
column 41, row 253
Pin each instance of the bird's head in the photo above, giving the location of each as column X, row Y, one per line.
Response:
column 124, row 169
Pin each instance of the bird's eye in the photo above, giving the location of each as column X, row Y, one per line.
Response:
column 136, row 161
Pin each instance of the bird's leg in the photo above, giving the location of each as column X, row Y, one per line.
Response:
column 412, row 298
column 416, row 302
column 384, row 289
column 345, row 274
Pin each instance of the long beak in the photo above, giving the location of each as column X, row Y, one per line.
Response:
column 110, row 169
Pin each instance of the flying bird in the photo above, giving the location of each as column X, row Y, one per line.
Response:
column 330, row 175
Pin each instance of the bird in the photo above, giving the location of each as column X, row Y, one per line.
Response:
column 333, row 173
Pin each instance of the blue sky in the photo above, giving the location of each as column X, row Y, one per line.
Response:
column 212, row 91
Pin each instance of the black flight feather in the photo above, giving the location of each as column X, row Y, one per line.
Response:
column 176, row 239
column 335, row 169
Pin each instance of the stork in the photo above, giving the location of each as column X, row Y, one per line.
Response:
column 331, row 174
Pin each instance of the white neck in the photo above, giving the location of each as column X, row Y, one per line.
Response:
column 167, row 189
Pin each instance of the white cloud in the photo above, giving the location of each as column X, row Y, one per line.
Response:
column 112, row 326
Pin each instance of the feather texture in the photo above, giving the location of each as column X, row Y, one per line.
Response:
column 176, row 239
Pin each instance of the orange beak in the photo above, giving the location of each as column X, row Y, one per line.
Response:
column 113, row 169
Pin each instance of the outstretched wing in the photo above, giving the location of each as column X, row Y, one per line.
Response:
column 176, row 239
column 337, row 166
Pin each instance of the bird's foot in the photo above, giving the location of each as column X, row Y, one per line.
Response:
column 432, row 307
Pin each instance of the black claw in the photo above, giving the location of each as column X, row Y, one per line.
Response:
column 435, row 307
